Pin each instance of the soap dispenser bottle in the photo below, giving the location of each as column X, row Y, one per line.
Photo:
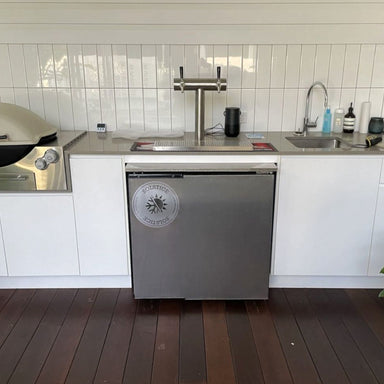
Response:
column 327, row 121
column 338, row 120
column 349, row 121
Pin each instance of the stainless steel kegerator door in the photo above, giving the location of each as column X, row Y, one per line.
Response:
column 201, row 236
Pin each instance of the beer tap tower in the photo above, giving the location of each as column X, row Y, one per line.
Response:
column 200, row 85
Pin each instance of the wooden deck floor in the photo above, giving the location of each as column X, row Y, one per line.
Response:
column 105, row 336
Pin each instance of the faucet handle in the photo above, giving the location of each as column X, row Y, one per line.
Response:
column 218, row 79
column 182, row 82
column 312, row 124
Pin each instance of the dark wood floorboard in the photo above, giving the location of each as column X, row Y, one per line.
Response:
column 166, row 357
column 5, row 295
column 115, row 351
column 374, row 293
column 30, row 364
column 217, row 346
column 366, row 340
column 324, row 357
column 192, row 366
column 57, row 365
column 271, row 356
column 245, row 359
column 105, row 336
column 347, row 350
column 299, row 360
column 368, row 308
column 138, row 369
column 12, row 311
column 17, row 341
column 85, row 362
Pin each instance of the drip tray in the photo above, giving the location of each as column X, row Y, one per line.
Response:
column 192, row 146
column 208, row 145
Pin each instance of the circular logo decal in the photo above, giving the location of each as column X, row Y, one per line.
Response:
column 155, row 204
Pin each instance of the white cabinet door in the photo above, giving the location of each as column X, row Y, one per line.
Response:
column 39, row 235
column 377, row 249
column 3, row 264
column 325, row 212
column 101, row 214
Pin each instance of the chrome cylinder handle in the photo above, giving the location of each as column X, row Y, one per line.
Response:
column 218, row 79
column 182, row 82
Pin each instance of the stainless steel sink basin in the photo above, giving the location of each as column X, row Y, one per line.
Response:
column 317, row 142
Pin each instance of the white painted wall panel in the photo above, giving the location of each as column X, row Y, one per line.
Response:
column 17, row 64
column 292, row 73
column 351, row 66
column 109, row 60
column 264, row 60
column 89, row 68
column 108, row 108
column 323, row 55
column 123, row 119
column 234, row 75
column 367, row 55
column 278, row 71
column 51, row 106
column 65, row 107
column 191, row 59
column 7, row 95
column 93, row 108
column 22, row 99
column 188, row 13
column 47, row 66
column 249, row 66
column 5, row 67
column 60, row 57
column 120, row 66
column 105, row 66
column 76, row 67
column 163, row 66
column 307, row 67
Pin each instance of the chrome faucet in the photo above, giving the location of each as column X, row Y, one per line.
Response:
column 199, row 86
column 307, row 121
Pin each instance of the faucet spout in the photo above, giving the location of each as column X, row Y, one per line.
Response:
column 307, row 121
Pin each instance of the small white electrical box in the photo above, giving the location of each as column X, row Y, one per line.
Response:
column 101, row 127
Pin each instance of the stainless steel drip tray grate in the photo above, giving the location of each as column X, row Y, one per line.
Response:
column 209, row 144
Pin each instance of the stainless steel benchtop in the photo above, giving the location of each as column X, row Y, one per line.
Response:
column 103, row 144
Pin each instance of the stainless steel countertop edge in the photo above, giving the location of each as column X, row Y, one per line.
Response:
column 94, row 143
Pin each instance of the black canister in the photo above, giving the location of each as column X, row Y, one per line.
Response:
column 376, row 125
column 232, row 121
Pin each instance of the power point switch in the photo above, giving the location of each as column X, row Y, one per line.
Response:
column 101, row 127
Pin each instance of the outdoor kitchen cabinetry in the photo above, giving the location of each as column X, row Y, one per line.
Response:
column 376, row 261
column 38, row 235
column 325, row 214
column 3, row 264
column 98, row 184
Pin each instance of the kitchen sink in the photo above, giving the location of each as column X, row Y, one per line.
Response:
column 317, row 142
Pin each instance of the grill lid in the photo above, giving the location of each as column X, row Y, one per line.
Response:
column 20, row 126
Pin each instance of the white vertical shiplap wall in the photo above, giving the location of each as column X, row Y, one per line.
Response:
column 130, row 86
column 79, row 63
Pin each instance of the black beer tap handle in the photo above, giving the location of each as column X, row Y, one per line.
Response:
column 218, row 73
column 181, row 72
